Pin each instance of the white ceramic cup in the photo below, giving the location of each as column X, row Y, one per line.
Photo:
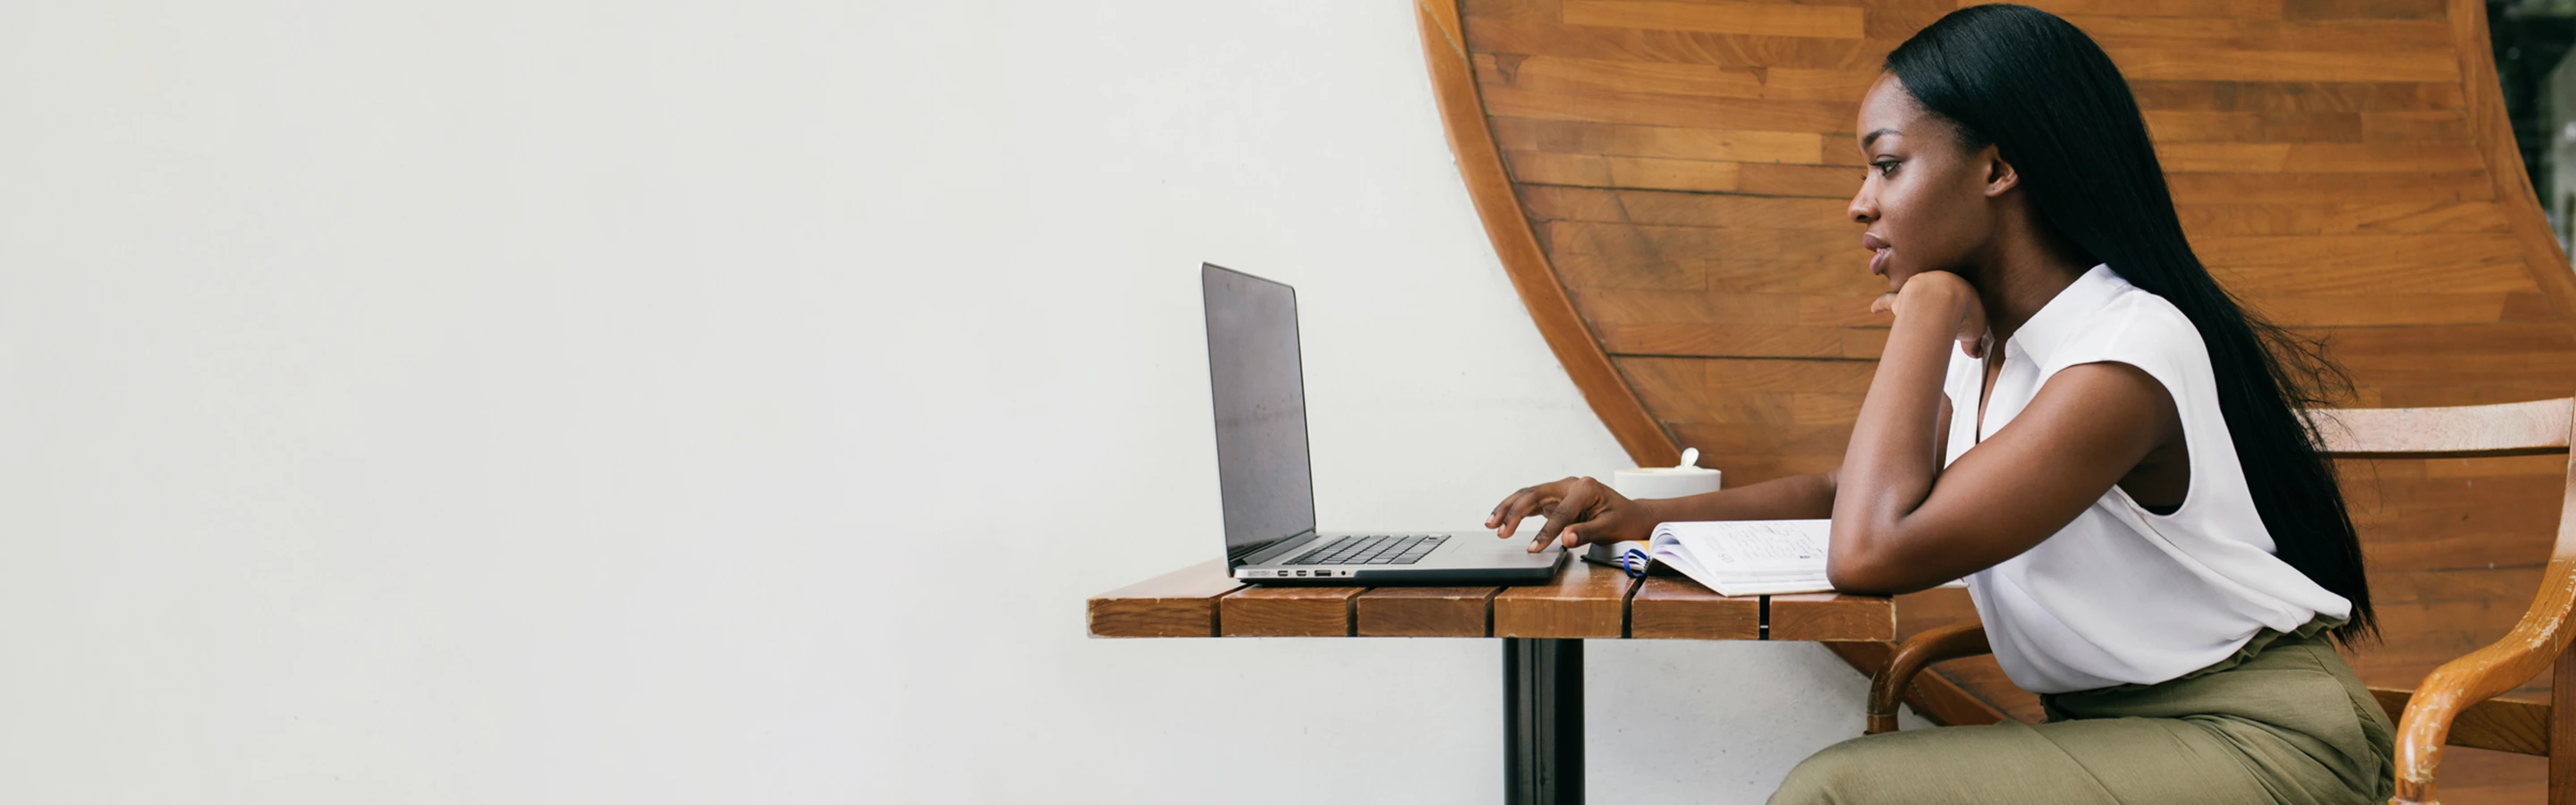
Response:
column 1666, row 482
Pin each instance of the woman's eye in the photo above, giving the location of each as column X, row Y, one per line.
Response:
column 1883, row 168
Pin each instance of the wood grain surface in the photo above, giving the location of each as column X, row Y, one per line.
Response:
column 1677, row 607
column 2504, row 725
column 1427, row 612
column 1182, row 603
column 1287, row 612
column 2562, row 733
column 1971, row 690
column 2535, row 427
column 1490, row 189
column 1828, row 616
column 2439, row 703
column 1585, row 600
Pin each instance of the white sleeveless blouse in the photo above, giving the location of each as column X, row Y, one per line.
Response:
column 2123, row 595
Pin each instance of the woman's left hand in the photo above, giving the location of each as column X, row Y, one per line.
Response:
column 1942, row 294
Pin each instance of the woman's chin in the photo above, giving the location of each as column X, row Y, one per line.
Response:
column 1897, row 279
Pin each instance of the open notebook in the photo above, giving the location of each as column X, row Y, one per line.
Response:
column 1742, row 557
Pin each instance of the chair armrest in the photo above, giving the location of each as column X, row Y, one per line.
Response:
column 2480, row 675
column 1887, row 687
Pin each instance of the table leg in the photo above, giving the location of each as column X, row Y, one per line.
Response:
column 1542, row 721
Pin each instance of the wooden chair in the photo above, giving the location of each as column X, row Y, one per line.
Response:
column 2453, row 704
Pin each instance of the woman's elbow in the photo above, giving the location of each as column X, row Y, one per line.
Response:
column 1858, row 561
column 1860, row 576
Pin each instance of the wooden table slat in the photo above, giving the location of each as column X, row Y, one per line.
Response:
column 1427, row 612
column 1832, row 617
column 1679, row 608
column 1585, row 600
column 1287, row 612
column 1181, row 603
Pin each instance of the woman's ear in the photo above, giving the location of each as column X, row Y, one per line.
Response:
column 2000, row 176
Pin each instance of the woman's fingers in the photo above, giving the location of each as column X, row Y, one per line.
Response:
column 1972, row 328
column 1572, row 535
column 1577, row 509
column 1535, row 499
column 1495, row 519
column 1573, row 508
column 1507, row 517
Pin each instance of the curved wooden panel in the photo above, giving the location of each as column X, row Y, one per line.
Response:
column 1675, row 175
column 1490, row 187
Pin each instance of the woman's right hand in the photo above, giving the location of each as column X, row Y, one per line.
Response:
column 1578, row 510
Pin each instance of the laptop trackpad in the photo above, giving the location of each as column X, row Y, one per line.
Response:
column 1483, row 549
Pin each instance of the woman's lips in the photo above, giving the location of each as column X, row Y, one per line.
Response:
column 1877, row 262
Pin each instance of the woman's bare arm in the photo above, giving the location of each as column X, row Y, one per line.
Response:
column 1581, row 510
column 1793, row 498
column 1608, row 517
column 1896, row 531
column 1797, row 497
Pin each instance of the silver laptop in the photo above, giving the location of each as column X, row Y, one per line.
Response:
column 1269, row 487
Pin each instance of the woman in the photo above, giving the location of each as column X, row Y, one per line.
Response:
column 2112, row 456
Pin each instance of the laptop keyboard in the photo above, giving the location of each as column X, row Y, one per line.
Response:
column 1381, row 549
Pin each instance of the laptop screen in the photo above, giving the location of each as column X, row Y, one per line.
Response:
column 1260, row 390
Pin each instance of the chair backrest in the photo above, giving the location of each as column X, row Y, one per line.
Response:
column 2538, row 427
column 2461, row 688
column 2467, row 431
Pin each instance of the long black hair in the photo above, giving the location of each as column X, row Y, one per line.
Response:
column 2055, row 107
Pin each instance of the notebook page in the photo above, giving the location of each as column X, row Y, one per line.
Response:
column 1750, row 548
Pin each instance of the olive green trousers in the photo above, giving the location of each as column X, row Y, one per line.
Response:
column 2283, row 721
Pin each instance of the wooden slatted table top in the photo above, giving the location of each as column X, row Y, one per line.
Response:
column 1583, row 601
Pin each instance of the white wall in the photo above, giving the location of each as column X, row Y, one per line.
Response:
column 651, row 402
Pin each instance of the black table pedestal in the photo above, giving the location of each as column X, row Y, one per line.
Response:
column 1542, row 721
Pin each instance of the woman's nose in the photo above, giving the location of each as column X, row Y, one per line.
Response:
column 1864, row 207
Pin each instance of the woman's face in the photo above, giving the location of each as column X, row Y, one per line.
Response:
column 1926, row 202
